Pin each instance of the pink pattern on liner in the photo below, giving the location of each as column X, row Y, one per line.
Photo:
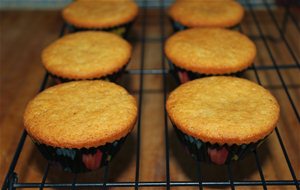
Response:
column 218, row 156
column 57, row 80
column 92, row 161
column 183, row 76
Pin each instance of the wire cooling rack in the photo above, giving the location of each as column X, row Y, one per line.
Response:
column 11, row 180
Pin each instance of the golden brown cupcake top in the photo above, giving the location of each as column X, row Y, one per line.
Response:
column 207, row 13
column 86, row 55
column 100, row 13
column 210, row 50
column 223, row 110
column 80, row 114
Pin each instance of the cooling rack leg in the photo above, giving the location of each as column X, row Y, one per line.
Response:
column 45, row 176
column 229, row 171
column 74, row 182
column 199, row 173
column 13, row 178
column 105, row 176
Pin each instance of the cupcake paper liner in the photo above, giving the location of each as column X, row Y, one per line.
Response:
column 121, row 30
column 179, row 27
column 80, row 160
column 182, row 76
column 111, row 77
column 215, row 153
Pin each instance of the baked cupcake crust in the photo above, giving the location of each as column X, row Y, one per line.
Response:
column 223, row 110
column 210, row 50
column 80, row 114
column 86, row 55
column 207, row 13
column 100, row 13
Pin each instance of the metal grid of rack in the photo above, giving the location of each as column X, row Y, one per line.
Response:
column 11, row 180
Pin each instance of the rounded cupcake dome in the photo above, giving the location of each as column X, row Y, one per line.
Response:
column 210, row 50
column 86, row 55
column 206, row 13
column 223, row 110
column 81, row 114
column 100, row 13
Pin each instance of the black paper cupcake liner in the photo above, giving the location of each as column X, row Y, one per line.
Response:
column 121, row 30
column 215, row 153
column 80, row 160
column 179, row 27
column 182, row 76
column 112, row 77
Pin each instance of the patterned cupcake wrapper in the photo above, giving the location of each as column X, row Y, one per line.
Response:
column 182, row 76
column 179, row 27
column 80, row 160
column 215, row 153
column 112, row 77
column 121, row 30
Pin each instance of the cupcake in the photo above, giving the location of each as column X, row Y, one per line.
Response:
column 200, row 52
column 205, row 13
column 110, row 15
column 80, row 125
column 87, row 55
column 221, row 118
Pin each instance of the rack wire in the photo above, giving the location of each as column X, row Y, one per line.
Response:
column 11, row 180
